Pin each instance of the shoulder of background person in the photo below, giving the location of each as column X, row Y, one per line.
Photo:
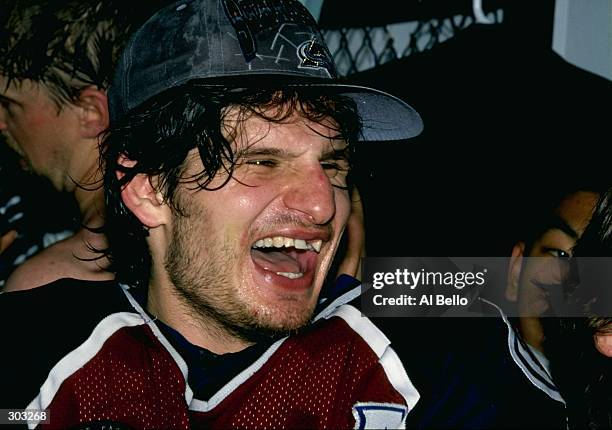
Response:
column 40, row 326
column 69, row 258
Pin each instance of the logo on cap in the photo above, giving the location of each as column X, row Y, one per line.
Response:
column 314, row 55
column 280, row 33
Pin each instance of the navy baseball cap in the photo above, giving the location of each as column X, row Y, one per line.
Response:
column 213, row 39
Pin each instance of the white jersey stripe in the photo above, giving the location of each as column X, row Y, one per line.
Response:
column 219, row 396
column 344, row 298
column 205, row 406
column 523, row 359
column 158, row 334
column 380, row 344
column 80, row 356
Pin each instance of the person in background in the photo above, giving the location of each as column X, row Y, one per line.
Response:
column 569, row 352
column 23, row 197
column 551, row 233
column 56, row 63
column 579, row 348
column 503, row 357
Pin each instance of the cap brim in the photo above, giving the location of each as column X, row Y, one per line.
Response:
column 384, row 117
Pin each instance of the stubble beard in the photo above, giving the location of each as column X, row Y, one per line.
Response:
column 201, row 270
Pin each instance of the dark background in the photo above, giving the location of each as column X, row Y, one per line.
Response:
column 509, row 124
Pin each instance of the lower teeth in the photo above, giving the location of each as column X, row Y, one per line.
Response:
column 290, row 275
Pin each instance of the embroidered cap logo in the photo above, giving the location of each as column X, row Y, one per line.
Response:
column 270, row 30
column 313, row 55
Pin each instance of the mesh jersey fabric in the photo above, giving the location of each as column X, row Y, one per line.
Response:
column 120, row 369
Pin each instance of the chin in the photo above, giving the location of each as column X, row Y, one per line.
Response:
column 285, row 315
column 281, row 303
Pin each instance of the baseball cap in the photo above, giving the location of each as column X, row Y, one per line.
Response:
column 212, row 39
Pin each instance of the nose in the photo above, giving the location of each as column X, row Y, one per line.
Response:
column 311, row 193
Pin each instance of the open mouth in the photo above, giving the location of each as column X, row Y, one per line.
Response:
column 285, row 256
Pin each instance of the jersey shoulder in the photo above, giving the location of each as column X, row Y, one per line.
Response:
column 41, row 326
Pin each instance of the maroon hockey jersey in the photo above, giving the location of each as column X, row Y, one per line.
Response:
column 338, row 373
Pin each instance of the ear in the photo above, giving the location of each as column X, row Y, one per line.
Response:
column 94, row 117
column 514, row 271
column 143, row 200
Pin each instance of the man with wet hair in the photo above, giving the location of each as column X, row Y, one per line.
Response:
column 227, row 189
column 56, row 63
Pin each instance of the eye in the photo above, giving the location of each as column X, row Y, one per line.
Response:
column 337, row 170
column 263, row 163
column 332, row 167
column 559, row 253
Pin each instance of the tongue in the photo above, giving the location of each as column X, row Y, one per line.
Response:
column 275, row 261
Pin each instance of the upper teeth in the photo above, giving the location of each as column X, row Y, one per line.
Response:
column 288, row 242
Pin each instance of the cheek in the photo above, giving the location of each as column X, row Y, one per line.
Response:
column 33, row 131
column 236, row 210
column 527, row 275
column 246, row 203
column 603, row 343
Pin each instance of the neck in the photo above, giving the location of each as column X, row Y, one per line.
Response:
column 81, row 174
column 164, row 302
column 90, row 200
column 89, row 197
column 532, row 332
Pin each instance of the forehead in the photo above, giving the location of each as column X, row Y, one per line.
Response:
column 577, row 208
column 21, row 88
column 275, row 128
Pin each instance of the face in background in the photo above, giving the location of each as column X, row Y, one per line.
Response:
column 252, row 255
column 529, row 276
column 603, row 334
column 33, row 126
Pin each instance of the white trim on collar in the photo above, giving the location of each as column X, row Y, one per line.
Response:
column 524, row 359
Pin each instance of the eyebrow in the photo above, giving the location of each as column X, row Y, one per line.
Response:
column 558, row 223
column 9, row 99
column 262, row 152
column 331, row 153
